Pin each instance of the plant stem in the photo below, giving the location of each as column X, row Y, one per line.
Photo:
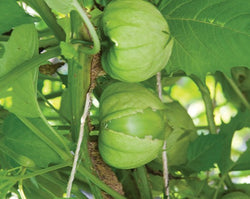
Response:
column 141, row 178
column 47, row 101
column 20, row 186
column 165, row 168
column 238, row 92
column 218, row 188
column 159, row 85
column 45, row 33
column 164, row 152
column 60, row 138
column 41, row 171
column 28, row 65
column 96, row 41
column 208, row 103
column 99, row 183
column 228, row 182
column 79, row 142
column 49, row 142
column 45, row 43
column 45, row 12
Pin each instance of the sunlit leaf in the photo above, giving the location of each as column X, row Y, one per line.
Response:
column 12, row 15
column 241, row 120
column 243, row 163
column 20, row 96
column 63, row 6
column 209, row 35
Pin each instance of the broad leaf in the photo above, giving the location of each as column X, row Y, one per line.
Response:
column 19, row 138
column 245, row 187
column 241, row 120
column 42, row 186
column 204, row 152
column 20, row 96
column 243, row 163
column 183, row 132
column 12, row 15
column 209, row 35
column 191, row 188
column 63, row 6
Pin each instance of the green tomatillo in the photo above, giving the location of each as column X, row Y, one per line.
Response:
column 236, row 195
column 132, row 125
column 139, row 40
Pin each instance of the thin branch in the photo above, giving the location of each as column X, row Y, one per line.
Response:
column 165, row 169
column 79, row 142
column 164, row 152
column 20, row 186
column 159, row 85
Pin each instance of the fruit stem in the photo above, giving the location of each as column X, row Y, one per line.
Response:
column 143, row 184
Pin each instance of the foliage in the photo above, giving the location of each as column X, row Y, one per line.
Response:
column 50, row 60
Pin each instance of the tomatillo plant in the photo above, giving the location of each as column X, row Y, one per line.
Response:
column 140, row 43
column 132, row 125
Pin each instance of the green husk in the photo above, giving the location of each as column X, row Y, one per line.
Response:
column 133, row 125
column 139, row 40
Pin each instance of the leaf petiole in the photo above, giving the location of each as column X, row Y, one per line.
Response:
column 50, row 143
column 28, row 65
column 208, row 103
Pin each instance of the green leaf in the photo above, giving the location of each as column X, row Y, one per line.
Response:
column 243, row 163
column 68, row 50
column 182, row 134
column 5, row 184
column 20, row 95
column 63, row 6
column 243, row 187
column 20, row 139
column 241, row 120
column 2, row 50
column 49, row 186
column 204, row 152
column 12, row 15
column 209, row 35
column 191, row 188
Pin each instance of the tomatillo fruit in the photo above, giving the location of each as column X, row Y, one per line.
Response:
column 139, row 40
column 133, row 125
